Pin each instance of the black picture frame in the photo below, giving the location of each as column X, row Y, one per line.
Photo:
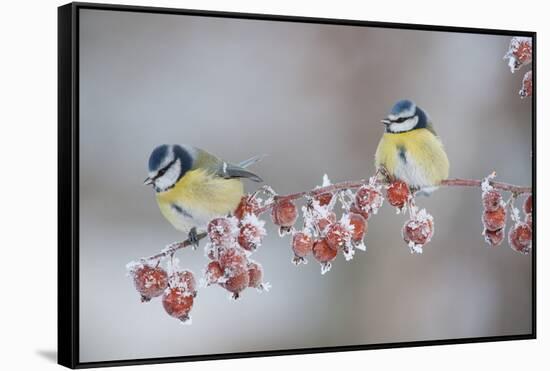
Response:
column 68, row 182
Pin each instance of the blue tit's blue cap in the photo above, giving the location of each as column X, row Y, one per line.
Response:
column 157, row 156
column 403, row 105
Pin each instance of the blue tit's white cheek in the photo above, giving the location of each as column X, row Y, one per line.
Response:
column 170, row 177
column 399, row 127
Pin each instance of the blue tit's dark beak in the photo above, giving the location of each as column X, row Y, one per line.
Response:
column 148, row 181
column 386, row 121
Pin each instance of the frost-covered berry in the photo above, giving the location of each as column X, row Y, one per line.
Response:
column 368, row 198
column 233, row 260
column 323, row 252
column 302, row 244
column 323, row 222
column 519, row 52
column 337, row 236
column 184, row 280
column 356, row 210
column 418, row 231
column 220, row 231
column 251, row 233
column 255, row 275
column 359, row 227
column 213, row 272
column 526, row 85
column 248, row 205
column 398, row 193
column 284, row 213
column 494, row 238
column 494, row 220
column 324, row 198
column 528, row 205
column 150, row 281
column 492, row 200
column 177, row 303
column 520, row 238
column 529, row 220
column 236, row 283
column 212, row 251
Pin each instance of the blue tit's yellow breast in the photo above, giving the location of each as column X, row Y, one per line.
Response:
column 416, row 155
column 198, row 197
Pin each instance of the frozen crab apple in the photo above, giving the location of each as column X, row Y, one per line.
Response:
column 302, row 244
column 398, row 193
column 368, row 198
column 284, row 213
column 528, row 205
column 323, row 222
column 520, row 238
column 359, row 227
column 492, row 200
column 150, row 281
column 251, row 233
column 233, row 261
column 494, row 238
column 418, row 231
column 185, row 280
column 323, row 252
column 494, row 220
column 177, row 303
column 220, row 231
column 248, row 205
column 356, row 210
column 213, row 272
column 324, row 198
column 337, row 236
column 236, row 282
column 255, row 275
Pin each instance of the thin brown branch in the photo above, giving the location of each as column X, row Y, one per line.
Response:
column 455, row 182
column 172, row 248
column 477, row 183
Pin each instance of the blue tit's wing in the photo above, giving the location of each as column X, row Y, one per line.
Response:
column 424, row 121
column 236, row 171
column 221, row 168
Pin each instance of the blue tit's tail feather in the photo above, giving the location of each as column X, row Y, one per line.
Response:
column 251, row 161
column 236, row 171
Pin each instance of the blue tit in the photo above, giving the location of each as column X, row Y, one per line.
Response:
column 410, row 150
column 193, row 186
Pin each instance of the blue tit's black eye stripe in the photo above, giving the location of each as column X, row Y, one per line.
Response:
column 162, row 171
column 400, row 120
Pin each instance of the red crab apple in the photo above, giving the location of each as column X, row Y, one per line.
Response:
column 220, row 231
column 284, row 213
column 359, row 227
column 492, row 200
column 302, row 244
column 337, row 236
column 150, row 281
column 255, row 274
column 248, row 205
column 520, row 238
column 398, row 193
column 323, row 252
column 177, row 303
column 494, row 220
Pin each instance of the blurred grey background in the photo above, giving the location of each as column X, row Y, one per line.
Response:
column 311, row 96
